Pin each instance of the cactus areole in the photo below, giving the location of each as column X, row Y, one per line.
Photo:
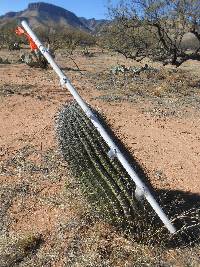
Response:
column 113, row 151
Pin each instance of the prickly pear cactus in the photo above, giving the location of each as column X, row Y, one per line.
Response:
column 33, row 60
column 104, row 181
column 4, row 61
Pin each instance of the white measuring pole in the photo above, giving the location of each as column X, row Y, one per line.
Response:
column 114, row 150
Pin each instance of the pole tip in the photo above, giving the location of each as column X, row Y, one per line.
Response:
column 24, row 21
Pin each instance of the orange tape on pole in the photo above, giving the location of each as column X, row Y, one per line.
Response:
column 19, row 31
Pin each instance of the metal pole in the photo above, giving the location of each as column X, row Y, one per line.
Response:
column 114, row 150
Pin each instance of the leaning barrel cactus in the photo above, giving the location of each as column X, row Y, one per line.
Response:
column 105, row 182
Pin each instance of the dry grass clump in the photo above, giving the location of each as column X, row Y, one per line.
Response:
column 13, row 250
column 9, row 90
column 165, row 89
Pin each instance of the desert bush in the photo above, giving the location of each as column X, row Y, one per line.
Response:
column 154, row 29
column 8, row 36
column 69, row 39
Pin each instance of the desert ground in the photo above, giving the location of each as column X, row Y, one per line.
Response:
column 44, row 218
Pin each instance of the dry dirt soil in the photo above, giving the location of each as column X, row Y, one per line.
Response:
column 44, row 219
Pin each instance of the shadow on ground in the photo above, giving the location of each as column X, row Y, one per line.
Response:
column 183, row 208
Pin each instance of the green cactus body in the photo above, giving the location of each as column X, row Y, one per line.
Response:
column 105, row 182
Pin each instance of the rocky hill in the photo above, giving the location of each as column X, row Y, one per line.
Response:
column 48, row 15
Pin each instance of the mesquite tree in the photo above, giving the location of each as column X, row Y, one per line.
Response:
column 156, row 29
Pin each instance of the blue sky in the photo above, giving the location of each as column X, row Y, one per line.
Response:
column 85, row 8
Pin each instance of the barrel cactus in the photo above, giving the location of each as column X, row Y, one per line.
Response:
column 105, row 182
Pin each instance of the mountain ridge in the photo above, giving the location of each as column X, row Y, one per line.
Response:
column 49, row 15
